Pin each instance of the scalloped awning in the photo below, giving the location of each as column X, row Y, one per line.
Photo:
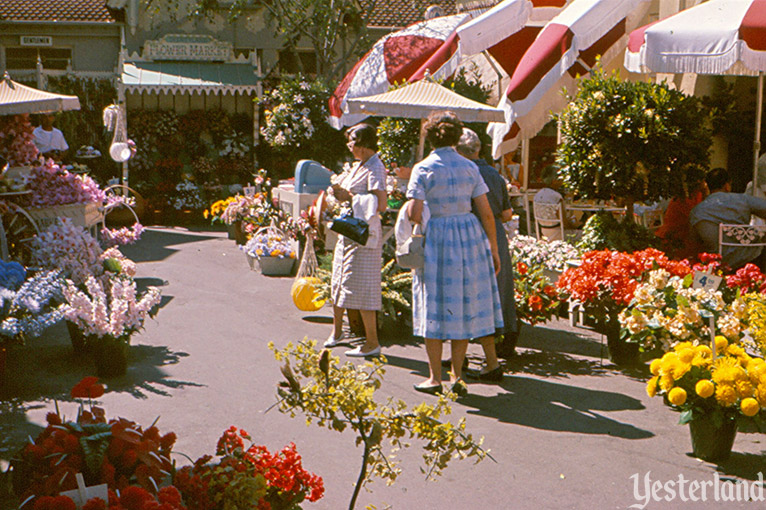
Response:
column 189, row 77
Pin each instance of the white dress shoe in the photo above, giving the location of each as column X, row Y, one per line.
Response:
column 357, row 352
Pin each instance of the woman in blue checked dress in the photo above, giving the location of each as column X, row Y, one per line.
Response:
column 454, row 296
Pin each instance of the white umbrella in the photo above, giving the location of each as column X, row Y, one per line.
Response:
column 16, row 99
column 417, row 100
column 716, row 37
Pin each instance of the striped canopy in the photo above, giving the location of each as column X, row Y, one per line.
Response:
column 418, row 100
column 567, row 47
column 715, row 37
column 16, row 99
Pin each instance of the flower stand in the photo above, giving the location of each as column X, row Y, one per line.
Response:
column 275, row 266
column 710, row 441
column 110, row 356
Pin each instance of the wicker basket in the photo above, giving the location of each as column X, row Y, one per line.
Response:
column 85, row 215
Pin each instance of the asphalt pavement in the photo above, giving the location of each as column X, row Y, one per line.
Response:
column 567, row 429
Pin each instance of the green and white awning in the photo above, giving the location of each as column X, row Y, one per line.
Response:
column 189, row 77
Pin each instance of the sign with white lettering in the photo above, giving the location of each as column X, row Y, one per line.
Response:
column 36, row 40
column 188, row 47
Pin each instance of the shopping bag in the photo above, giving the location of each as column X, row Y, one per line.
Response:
column 411, row 253
column 304, row 290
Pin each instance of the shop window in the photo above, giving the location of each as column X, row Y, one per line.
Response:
column 26, row 58
column 288, row 63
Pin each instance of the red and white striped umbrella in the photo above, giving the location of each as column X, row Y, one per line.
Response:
column 391, row 60
column 435, row 46
column 566, row 48
column 716, row 37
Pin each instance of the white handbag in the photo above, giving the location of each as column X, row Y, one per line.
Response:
column 411, row 253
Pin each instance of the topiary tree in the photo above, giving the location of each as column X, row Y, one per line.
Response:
column 632, row 140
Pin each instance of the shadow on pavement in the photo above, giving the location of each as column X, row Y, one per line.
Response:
column 557, row 407
column 159, row 242
column 554, row 364
column 743, row 465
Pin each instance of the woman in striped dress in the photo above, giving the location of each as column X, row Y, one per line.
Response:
column 356, row 268
column 455, row 294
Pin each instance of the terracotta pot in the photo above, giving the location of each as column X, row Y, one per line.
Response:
column 710, row 441
column 110, row 356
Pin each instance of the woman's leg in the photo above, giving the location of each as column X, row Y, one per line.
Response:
column 370, row 319
column 434, row 352
column 337, row 321
column 488, row 345
column 458, row 355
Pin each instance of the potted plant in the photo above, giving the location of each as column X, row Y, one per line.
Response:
column 272, row 250
column 604, row 284
column 537, row 298
column 711, row 393
column 108, row 312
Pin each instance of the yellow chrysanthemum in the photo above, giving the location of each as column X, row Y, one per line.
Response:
column 725, row 394
column 668, row 361
column 680, row 346
column 677, row 396
column 677, row 368
column 720, row 343
column 651, row 386
column 654, row 366
column 727, row 370
column 744, row 388
column 704, row 388
column 760, row 395
column 686, row 355
column 666, row 382
column 749, row 407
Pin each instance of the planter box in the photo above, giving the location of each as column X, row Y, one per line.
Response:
column 275, row 266
column 86, row 215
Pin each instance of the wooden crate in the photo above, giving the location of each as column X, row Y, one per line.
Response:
column 86, row 215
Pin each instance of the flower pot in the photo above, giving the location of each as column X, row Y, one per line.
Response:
column 240, row 236
column 252, row 261
column 231, row 231
column 621, row 353
column 79, row 346
column 710, row 442
column 110, row 356
column 275, row 266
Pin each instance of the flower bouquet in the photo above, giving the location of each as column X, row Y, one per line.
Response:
column 711, row 392
column 69, row 248
column 108, row 312
column 552, row 254
column 28, row 306
column 537, row 299
column 247, row 476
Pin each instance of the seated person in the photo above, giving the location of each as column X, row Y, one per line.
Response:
column 50, row 140
column 723, row 206
column 549, row 195
column 675, row 230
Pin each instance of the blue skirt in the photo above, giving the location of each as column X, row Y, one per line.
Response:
column 454, row 295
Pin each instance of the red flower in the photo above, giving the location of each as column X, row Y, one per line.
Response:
column 521, row 268
column 88, row 387
column 550, row 290
column 134, row 498
column 535, row 303
column 95, row 504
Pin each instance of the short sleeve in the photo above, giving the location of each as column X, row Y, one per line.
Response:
column 61, row 144
column 479, row 186
column 377, row 177
column 416, row 188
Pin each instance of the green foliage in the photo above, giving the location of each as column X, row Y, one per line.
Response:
column 630, row 139
column 603, row 231
column 397, row 140
column 295, row 123
column 342, row 397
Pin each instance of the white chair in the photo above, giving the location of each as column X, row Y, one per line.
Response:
column 551, row 218
column 740, row 235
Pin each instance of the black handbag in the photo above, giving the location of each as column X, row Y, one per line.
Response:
column 355, row 229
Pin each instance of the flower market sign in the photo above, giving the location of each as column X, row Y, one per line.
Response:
column 188, row 47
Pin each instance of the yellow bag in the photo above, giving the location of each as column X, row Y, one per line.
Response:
column 303, row 290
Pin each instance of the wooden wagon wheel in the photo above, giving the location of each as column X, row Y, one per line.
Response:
column 118, row 189
column 17, row 229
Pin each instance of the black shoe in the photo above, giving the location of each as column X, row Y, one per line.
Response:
column 459, row 388
column 447, row 363
column 495, row 375
column 431, row 390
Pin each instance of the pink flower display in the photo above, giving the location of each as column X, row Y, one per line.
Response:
column 52, row 185
column 70, row 248
column 114, row 310
column 17, row 141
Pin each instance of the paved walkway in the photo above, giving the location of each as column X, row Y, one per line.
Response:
column 567, row 430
